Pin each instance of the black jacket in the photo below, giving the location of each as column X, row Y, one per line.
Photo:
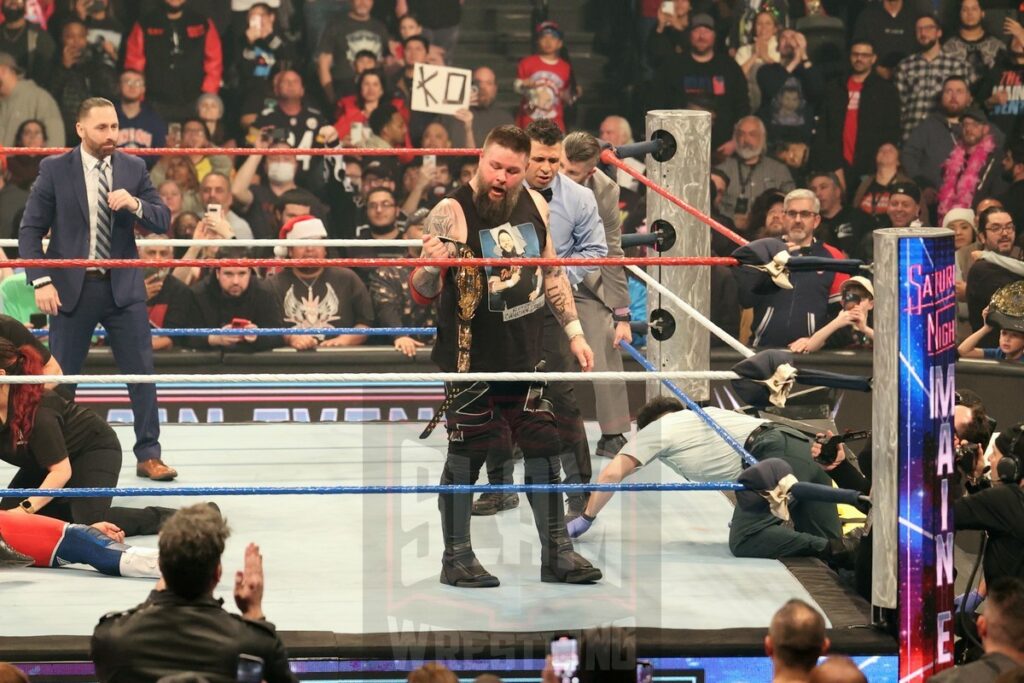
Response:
column 1000, row 512
column 168, row 634
column 180, row 59
column 216, row 309
column 878, row 122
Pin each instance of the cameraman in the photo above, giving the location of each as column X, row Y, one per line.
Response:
column 999, row 510
column 84, row 71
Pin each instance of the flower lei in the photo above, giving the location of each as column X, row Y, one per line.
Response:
column 958, row 186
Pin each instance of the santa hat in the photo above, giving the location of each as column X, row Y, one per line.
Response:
column 300, row 228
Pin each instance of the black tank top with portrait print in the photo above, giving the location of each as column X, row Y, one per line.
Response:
column 509, row 324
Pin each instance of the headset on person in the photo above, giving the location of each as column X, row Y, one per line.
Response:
column 1009, row 469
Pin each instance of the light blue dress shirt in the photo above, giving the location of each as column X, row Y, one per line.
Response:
column 576, row 229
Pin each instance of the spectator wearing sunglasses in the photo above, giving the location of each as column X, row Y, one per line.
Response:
column 851, row 328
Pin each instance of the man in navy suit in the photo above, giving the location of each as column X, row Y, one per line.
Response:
column 89, row 200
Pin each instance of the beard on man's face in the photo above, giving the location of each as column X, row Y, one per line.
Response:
column 491, row 211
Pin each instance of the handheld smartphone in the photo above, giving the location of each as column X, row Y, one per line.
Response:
column 256, row 22
column 174, row 131
column 215, row 212
column 565, row 656
column 37, row 320
column 240, row 322
column 668, row 7
column 250, row 669
column 149, row 272
column 430, row 162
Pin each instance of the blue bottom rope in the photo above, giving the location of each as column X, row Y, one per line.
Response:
column 692, row 405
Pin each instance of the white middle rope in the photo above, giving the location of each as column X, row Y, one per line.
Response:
column 692, row 312
column 364, row 377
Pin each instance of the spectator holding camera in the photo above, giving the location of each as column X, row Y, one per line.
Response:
column 851, row 328
column 168, row 300
column 85, row 70
column 212, row 226
column 999, row 510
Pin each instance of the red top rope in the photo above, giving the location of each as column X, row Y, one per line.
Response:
column 249, row 151
column 608, row 156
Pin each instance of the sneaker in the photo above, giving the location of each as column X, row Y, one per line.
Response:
column 609, row 446
column 493, row 503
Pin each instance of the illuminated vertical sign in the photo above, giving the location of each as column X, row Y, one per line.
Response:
column 927, row 354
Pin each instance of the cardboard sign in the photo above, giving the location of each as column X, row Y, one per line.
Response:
column 440, row 89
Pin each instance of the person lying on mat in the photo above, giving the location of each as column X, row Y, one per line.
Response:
column 55, row 444
column 47, row 542
column 682, row 440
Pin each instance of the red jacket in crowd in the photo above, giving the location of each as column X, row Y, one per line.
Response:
column 179, row 64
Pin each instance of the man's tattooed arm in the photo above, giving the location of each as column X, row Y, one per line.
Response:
column 559, row 294
column 442, row 221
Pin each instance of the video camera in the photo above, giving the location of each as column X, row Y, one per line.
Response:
column 830, row 445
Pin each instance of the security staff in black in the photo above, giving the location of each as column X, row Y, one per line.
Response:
column 999, row 511
column 181, row 627
column 490, row 320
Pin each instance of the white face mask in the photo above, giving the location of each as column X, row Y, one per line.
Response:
column 279, row 172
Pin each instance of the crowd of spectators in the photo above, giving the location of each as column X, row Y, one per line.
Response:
column 830, row 120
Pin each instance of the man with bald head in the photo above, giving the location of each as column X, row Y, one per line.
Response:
column 795, row 640
column 487, row 114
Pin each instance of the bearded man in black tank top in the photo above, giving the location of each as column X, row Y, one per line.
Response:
column 494, row 215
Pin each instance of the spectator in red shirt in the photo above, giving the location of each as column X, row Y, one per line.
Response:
column 179, row 51
column 544, row 79
column 357, row 108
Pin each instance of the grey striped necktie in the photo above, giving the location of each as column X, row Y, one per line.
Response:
column 104, row 216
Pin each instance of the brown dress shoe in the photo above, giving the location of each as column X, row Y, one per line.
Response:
column 156, row 470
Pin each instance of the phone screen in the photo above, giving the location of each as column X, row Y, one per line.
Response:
column 565, row 657
column 250, row 669
column 430, row 161
column 214, row 210
column 668, row 7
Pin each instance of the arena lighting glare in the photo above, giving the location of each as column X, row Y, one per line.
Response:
column 913, row 418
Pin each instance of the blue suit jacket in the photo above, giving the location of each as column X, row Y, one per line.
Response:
column 59, row 205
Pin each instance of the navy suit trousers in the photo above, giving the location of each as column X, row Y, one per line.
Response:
column 128, row 334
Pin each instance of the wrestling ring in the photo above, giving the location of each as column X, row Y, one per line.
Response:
column 346, row 513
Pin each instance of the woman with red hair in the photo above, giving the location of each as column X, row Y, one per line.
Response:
column 56, row 443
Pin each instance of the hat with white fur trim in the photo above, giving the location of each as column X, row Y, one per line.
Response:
column 300, row 228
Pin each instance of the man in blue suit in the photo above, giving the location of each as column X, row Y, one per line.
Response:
column 89, row 201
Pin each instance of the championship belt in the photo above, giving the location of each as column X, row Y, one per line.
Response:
column 469, row 288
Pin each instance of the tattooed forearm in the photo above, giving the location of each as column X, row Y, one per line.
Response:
column 426, row 283
column 559, row 294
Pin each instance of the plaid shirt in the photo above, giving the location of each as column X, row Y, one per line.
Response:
column 919, row 82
